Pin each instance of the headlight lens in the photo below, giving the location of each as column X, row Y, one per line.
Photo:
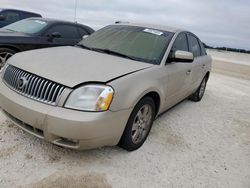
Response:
column 91, row 98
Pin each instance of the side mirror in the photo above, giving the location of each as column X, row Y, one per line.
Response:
column 2, row 18
column 183, row 56
column 54, row 35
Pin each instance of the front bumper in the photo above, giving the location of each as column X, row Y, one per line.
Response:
column 61, row 126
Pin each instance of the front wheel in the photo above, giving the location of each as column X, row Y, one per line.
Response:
column 139, row 125
column 5, row 54
column 197, row 96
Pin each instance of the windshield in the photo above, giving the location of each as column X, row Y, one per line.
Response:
column 138, row 43
column 29, row 26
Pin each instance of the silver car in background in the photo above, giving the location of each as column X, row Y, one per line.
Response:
column 108, row 89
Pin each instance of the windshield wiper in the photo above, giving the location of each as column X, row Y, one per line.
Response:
column 89, row 48
column 108, row 51
column 9, row 29
column 85, row 47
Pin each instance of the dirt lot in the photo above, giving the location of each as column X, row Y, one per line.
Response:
column 231, row 63
column 204, row 144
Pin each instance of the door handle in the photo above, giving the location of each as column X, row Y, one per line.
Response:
column 203, row 66
column 188, row 72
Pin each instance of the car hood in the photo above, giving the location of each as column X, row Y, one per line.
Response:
column 71, row 66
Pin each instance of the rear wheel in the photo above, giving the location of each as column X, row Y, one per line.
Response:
column 197, row 96
column 5, row 54
column 139, row 125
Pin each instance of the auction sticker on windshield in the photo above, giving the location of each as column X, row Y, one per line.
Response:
column 152, row 31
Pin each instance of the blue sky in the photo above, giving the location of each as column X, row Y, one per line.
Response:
column 217, row 23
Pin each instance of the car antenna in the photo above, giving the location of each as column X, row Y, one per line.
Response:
column 75, row 11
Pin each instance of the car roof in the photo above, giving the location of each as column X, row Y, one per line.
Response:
column 152, row 26
column 52, row 20
column 1, row 9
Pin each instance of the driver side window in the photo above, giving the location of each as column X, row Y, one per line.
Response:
column 66, row 31
column 180, row 43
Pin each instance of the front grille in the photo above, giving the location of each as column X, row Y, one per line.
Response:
column 32, row 86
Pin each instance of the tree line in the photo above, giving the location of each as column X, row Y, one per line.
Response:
column 227, row 49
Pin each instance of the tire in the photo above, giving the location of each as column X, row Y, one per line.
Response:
column 199, row 93
column 5, row 54
column 139, row 125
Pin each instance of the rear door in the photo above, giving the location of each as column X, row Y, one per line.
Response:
column 197, row 65
column 179, row 74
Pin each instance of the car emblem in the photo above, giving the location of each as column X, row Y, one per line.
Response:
column 22, row 82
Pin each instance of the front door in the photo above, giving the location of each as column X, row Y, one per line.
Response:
column 179, row 74
column 69, row 36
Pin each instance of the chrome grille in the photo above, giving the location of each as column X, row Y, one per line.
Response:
column 32, row 86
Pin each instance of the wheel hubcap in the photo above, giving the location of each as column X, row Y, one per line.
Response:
column 141, row 124
column 4, row 56
column 202, row 88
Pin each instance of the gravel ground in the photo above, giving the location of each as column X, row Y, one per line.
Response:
column 204, row 144
column 227, row 56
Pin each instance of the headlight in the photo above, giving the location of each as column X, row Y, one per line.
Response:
column 90, row 98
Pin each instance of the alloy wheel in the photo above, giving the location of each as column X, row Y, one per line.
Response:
column 202, row 88
column 4, row 56
column 141, row 123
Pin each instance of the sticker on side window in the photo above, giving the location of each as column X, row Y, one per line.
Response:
column 152, row 31
column 40, row 22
